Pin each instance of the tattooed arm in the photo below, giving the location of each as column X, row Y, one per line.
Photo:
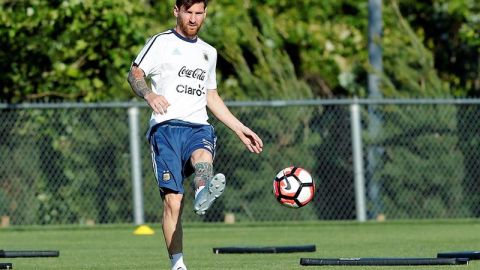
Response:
column 136, row 78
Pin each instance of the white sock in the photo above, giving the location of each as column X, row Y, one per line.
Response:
column 177, row 261
column 198, row 190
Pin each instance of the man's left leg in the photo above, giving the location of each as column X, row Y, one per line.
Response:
column 172, row 228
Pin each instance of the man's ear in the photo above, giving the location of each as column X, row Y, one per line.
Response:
column 176, row 10
column 205, row 13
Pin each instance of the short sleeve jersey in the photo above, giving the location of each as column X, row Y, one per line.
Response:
column 181, row 70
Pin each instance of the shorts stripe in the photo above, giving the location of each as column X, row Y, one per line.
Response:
column 154, row 164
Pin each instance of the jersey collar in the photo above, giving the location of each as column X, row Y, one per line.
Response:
column 184, row 38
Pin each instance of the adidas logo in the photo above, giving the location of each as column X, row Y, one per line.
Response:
column 176, row 52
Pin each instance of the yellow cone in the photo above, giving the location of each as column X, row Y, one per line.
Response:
column 143, row 230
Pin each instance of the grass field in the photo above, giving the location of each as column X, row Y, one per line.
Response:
column 115, row 247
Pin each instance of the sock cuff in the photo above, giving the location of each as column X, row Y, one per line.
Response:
column 176, row 259
column 198, row 190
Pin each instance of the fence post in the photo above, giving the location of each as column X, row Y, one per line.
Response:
column 138, row 212
column 358, row 174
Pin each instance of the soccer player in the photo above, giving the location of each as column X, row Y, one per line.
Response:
column 181, row 68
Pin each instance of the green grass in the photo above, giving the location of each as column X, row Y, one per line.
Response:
column 115, row 247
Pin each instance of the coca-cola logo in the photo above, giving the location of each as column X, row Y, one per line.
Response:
column 198, row 73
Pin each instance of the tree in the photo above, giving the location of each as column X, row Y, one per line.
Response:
column 450, row 31
column 68, row 50
column 417, row 139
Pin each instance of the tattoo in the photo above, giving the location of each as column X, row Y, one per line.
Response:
column 137, row 81
column 203, row 173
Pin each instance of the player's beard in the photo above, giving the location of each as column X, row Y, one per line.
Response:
column 190, row 31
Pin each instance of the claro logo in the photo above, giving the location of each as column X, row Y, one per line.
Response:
column 185, row 89
column 198, row 73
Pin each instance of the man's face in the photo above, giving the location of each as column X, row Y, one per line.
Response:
column 189, row 21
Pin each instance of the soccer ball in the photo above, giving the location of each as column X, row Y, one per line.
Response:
column 293, row 187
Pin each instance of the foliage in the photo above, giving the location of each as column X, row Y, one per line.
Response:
column 67, row 50
column 263, row 38
column 423, row 164
column 450, row 31
column 410, row 71
column 81, row 50
column 55, row 183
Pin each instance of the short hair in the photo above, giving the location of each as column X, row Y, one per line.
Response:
column 189, row 3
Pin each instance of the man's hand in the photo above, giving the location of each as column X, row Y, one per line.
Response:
column 136, row 78
column 158, row 103
column 251, row 140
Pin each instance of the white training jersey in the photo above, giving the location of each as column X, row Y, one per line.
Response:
column 181, row 70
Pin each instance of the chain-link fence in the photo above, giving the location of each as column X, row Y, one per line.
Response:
column 72, row 163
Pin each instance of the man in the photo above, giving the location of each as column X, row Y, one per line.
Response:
column 181, row 68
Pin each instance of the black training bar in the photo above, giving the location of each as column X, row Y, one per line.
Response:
column 384, row 261
column 472, row 255
column 281, row 249
column 6, row 266
column 29, row 253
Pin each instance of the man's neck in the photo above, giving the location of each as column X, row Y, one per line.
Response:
column 177, row 29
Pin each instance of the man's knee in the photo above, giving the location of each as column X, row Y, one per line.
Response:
column 172, row 203
column 201, row 155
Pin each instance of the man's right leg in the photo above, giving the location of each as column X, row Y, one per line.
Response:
column 172, row 228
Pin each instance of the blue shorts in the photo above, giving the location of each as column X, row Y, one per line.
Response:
column 172, row 144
